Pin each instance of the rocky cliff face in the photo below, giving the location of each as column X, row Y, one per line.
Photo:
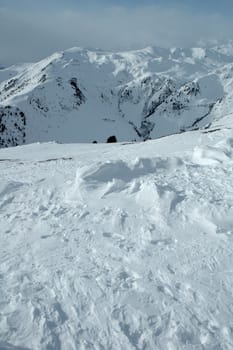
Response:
column 12, row 126
column 81, row 95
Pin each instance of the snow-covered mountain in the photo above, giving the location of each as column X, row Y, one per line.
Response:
column 127, row 246
column 82, row 95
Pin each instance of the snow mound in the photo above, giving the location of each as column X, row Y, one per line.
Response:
column 103, row 179
column 126, row 171
column 213, row 155
column 209, row 156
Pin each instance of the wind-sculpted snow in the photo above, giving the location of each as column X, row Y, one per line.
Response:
column 213, row 155
column 127, row 171
column 118, row 246
column 82, row 95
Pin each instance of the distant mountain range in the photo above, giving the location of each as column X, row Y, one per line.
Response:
column 82, row 95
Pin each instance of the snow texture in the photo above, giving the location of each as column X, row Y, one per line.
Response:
column 118, row 246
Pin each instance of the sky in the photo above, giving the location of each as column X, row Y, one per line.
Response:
column 32, row 29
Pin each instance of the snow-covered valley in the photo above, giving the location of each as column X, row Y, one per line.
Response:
column 124, row 247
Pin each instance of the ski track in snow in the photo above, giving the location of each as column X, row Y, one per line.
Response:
column 110, row 250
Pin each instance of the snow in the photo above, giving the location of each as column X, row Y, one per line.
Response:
column 199, row 53
column 7, row 73
column 118, row 246
column 123, row 246
column 134, row 95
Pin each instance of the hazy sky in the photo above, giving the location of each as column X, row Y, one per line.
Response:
column 31, row 30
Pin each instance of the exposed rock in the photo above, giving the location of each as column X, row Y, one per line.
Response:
column 112, row 139
column 77, row 92
column 12, row 126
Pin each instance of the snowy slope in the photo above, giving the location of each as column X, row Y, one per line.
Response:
column 7, row 73
column 82, row 95
column 121, row 247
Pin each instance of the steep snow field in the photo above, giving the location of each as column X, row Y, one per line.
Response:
column 118, row 247
column 82, row 95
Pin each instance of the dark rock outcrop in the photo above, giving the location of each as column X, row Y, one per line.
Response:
column 12, row 126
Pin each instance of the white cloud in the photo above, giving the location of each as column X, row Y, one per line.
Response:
column 31, row 36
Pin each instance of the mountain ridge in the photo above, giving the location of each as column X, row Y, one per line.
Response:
column 83, row 95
